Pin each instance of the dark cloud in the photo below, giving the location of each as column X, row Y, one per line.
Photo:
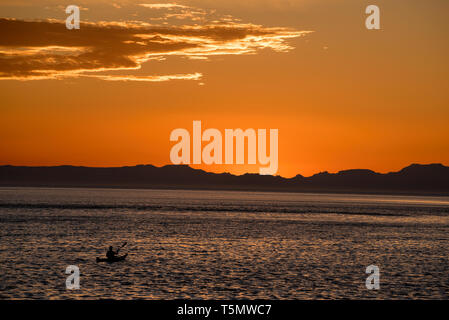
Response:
column 46, row 49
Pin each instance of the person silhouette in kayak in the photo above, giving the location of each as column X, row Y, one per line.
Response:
column 111, row 254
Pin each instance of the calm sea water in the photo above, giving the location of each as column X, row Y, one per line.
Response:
column 221, row 245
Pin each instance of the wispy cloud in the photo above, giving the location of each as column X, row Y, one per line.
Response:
column 186, row 13
column 35, row 50
column 162, row 5
column 161, row 78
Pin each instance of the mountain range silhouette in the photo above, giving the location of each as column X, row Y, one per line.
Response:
column 414, row 179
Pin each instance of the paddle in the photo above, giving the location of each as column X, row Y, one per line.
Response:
column 124, row 244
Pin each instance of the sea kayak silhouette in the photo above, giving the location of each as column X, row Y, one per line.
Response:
column 112, row 256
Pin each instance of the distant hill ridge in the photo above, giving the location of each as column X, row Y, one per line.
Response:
column 414, row 179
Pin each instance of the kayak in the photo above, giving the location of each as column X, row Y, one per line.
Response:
column 115, row 259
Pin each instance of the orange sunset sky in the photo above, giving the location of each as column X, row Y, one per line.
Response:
column 110, row 93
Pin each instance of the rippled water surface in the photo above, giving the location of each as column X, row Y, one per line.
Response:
column 218, row 244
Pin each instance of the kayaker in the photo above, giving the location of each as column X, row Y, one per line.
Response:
column 111, row 254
